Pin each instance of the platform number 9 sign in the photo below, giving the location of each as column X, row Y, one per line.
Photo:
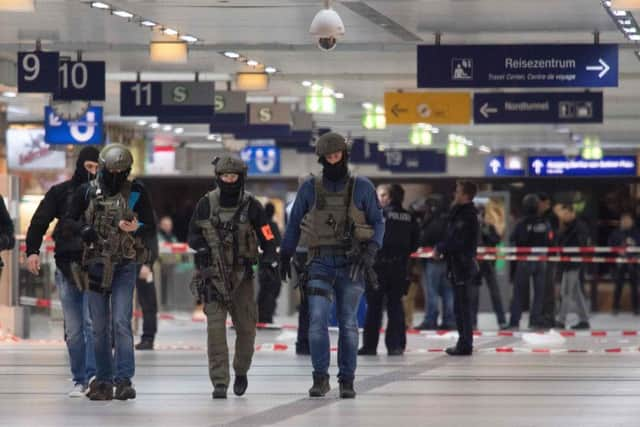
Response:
column 38, row 72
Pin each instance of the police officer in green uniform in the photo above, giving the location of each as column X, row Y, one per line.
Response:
column 225, row 230
column 339, row 218
column 115, row 221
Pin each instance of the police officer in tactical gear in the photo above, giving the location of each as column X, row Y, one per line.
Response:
column 116, row 223
column 459, row 249
column 225, row 230
column 392, row 262
column 68, row 252
column 341, row 222
column 532, row 230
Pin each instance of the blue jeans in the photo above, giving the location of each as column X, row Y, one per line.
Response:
column 113, row 312
column 525, row 273
column 77, row 329
column 331, row 274
column 435, row 285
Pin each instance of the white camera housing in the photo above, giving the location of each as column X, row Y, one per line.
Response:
column 327, row 27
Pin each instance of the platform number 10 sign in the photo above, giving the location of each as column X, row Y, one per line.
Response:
column 81, row 80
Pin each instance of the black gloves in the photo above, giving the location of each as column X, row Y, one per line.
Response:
column 89, row 234
column 285, row 266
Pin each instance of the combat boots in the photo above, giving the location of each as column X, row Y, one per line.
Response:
column 219, row 391
column 240, row 385
column 346, row 390
column 320, row 385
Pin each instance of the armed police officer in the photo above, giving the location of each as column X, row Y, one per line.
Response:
column 116, row 224
column 68, row 251
column 225, row 230
column 343, row 228
column 459, row 249
column 400, row 240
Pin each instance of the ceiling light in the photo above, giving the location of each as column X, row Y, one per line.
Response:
column 339, row 95
column 270, row 70
column 170, row 32
column 9, row 94
column 167, row 128
column 327, row 91
column 189, row 39
column 252, row 62
column 625, row 22
column 169, row 52
column 306, row 83
column 316, row 87
column 619, row 12
column 142, row 122
column 123, row 14
column 484, row 149
column 179, row 131
column 100, row 5
column 630, row 30
column 154, row 125
column 634, row 37
column 147, row 23
column 211, row 137
column 435, row 130
column 367, row 105
column 379, row 109
column 232, row 55
column 607, row 3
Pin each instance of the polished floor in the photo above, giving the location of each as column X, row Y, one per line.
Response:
column 521, row 380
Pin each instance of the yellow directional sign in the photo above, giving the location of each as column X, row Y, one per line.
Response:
column 444, row 108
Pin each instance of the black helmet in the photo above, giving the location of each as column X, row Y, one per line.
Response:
column 329, row 143
column 115, row 158
column 530, row 204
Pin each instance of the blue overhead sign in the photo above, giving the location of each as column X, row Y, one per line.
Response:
column 262, row 160
column 497, row 166
column 563, row 166
column 38, row 72
column 87, row 130
column 537, row 107
column 188, row 102
column 530, row 65
column 81, row 80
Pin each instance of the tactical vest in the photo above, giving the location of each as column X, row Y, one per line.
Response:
column 229, row 230
column 104, row 214
column 326, row 224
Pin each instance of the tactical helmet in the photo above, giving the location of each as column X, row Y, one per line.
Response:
column 229, row 164
column 329, row 143
column 530, row 204
column 115, row 158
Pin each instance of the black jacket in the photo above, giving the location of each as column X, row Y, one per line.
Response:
column 488, row 235
column 6, row 228
column 433, row 229
column 532, row 231
column 401, row 233
column 460, row 245
column 258, row 220
column 574, row 235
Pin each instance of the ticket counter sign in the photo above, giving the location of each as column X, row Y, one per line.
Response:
column 451, row 108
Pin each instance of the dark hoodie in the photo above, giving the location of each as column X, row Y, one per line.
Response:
column 460, row 244
column 55, row 204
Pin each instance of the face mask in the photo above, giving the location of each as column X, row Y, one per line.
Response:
column 335, row 172
column 113, row 181
column 230, row 189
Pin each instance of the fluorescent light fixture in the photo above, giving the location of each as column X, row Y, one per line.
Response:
column 178, row 131
column 306, row 83
column 327, row 91
column 607, row 3
column 167, row 128
column 142, row 122
column 630, row 30
column 270, row 70
column 634, row 37
column 211, row 137
column 100, row 5
column 252, row 81
column 169, row 52
column 367, row 105
column 252, row 62
column 188, row 38
column 232, row 55
column 123, row 14
column 170, row 32
column 154, row 125
column 339, row 95
column 625, row 22
column 619, row 12
column 316, row 87
column 9, row 94
column 147, row 23
column 484, row 149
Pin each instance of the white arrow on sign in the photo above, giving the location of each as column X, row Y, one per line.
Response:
column 54, row 120
column 537, row 166
column 603, row 68
column 485, row 110
column 495, row 165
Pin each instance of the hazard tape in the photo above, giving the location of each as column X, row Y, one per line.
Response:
column 546, row 249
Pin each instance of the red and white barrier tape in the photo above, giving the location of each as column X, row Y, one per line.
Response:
column 547, row 250
column 426, row 253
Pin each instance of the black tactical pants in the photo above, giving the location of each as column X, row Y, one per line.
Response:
column 462, row 308
column 619, row 274
column 149, row 303
column 302, row 341
column 268, row 294
column 391, row 289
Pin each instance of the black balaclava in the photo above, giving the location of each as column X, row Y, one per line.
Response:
column 87, row 154
column 230, row 193
column 396, row 194
column 336, row 172
column 112, row 182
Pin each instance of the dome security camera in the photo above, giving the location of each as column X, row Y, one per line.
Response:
column 327, row 27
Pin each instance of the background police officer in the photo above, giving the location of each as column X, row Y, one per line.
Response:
column 341, row 213
column 268, row 277
column 400, row 240
column 68, row 249
column 225, row 230
column 459, row 251
column 117, row 221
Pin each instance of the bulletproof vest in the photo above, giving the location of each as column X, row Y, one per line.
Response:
column 397, row 234
column 228, row 229
column 104, row 213
column 328, row 221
